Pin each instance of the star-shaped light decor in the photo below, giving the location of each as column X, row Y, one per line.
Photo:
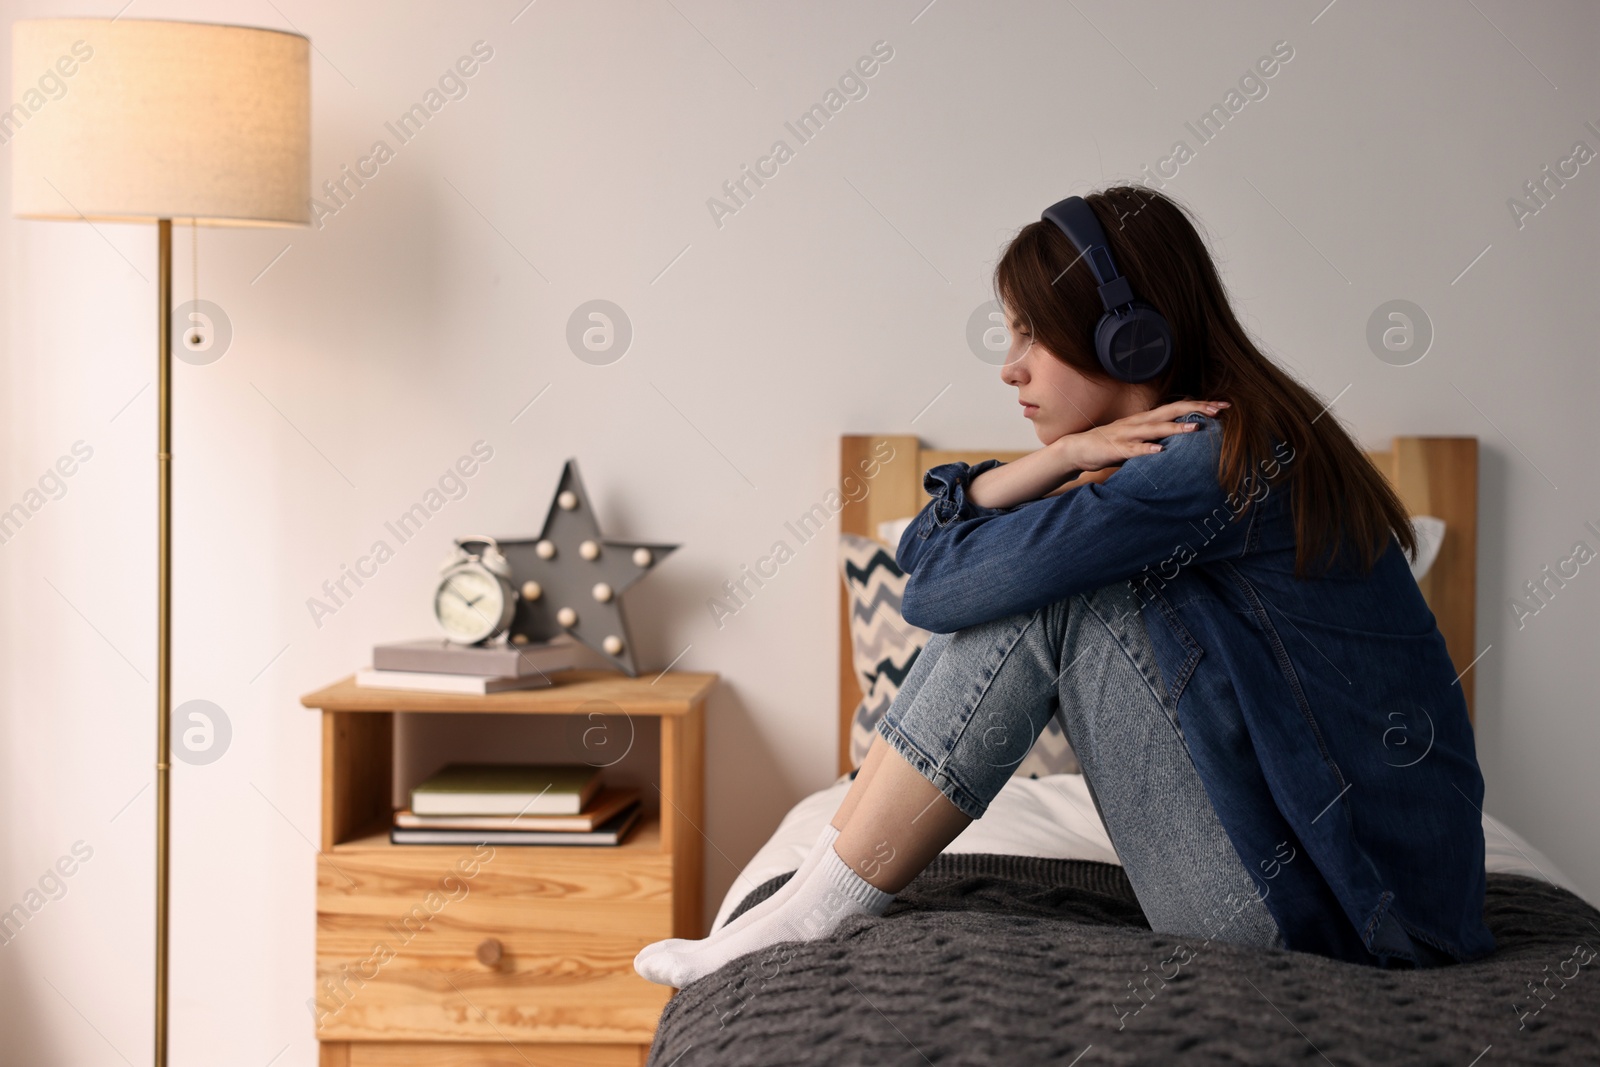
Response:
column 570, row 580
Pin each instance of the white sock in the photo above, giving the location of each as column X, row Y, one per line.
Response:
column 818, row 849
column 751, row 914
column 828, row 895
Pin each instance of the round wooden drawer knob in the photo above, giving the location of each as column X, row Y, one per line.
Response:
column 491, row 952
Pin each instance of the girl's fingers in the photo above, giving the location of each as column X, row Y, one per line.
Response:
column 1186, row 407
column 1138, row 433
column 1152, row 430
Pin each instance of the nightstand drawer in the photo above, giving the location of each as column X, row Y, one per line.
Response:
column 489, row 945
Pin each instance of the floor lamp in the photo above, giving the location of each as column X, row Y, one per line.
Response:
column 135, row 120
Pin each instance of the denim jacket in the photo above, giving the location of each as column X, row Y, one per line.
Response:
column 1322, row 714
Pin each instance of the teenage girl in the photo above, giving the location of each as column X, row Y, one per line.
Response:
column 1207, row 579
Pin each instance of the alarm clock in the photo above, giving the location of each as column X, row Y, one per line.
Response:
column 474, row 600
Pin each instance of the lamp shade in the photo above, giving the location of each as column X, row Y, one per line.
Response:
column 140, row 119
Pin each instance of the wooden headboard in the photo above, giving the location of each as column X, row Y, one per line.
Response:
column 1435, row 476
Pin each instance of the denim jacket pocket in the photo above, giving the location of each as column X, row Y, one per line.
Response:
column 1175, row 645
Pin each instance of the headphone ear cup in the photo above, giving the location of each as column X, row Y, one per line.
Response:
column 1134, row 344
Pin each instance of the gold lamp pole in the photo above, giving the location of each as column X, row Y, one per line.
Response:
column 135, row 120
column 163, row 620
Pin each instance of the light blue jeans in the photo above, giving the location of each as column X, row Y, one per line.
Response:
column 976, row 699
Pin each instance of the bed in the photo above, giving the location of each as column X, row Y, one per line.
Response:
column 1023, row 942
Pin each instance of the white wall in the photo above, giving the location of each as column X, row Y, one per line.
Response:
column 427, row 312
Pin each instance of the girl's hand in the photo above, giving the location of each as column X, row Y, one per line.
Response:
column 1117, row 442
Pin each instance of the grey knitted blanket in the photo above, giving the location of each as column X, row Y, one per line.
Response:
column 1011, row 960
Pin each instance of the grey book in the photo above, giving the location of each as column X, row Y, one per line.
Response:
column 438, row 656
column 433, row 682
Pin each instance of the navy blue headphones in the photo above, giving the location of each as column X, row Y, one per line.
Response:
column 1132, row 339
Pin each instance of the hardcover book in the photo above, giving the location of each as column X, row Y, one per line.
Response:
column 507, row 789
column 604, row 806
column 438, row 656
column 474, row 684
column 610, row 833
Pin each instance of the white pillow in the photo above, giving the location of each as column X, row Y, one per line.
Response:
column 890, row 532
column 1430, row 535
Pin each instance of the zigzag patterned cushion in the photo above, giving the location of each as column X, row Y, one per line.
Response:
column 884, row 647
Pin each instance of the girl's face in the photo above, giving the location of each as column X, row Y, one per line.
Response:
column 1059, row 399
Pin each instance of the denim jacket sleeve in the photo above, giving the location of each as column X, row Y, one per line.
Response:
column 946, row 486
column 969, row 564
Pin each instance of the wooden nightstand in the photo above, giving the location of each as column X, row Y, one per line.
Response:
column 453, row 955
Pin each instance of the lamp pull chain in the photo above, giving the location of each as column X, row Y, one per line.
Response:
column 195, row 337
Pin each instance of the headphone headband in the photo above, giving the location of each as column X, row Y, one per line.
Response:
column 1075, row 218
column 1132, row 340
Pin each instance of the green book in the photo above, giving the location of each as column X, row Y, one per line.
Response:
column 507, row 789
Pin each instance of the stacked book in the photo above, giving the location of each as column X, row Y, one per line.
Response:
column 438, row 666
column 516, row 804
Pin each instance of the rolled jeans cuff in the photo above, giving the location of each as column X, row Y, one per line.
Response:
column 959, row 795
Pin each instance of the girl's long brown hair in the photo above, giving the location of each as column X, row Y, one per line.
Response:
column 1340, row 499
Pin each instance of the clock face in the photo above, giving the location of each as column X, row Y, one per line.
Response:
column 470, row 604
